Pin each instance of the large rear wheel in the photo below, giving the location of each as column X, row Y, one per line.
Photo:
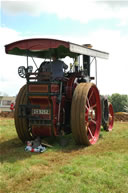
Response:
column 21, row 124
column 86, row 114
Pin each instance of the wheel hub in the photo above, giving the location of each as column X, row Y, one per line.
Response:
column 91, row 114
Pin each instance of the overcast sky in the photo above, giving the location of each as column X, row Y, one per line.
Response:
column 104, row 24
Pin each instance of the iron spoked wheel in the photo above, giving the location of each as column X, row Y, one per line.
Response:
column 86, row 114
column 108, row 125
column 21, row 124
column 111, row 117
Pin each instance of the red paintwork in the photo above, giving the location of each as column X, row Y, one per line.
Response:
column 44, row 104
column 93, row 115
column 69, row 87
column 36, row 44
column 55, row 88
column 111, row 117
column 51, row 103
column 41, row 88
column 55, row 113
column 42, row 131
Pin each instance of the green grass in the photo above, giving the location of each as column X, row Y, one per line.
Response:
column 101, row 168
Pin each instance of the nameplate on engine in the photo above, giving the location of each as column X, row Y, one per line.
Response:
column 40, row 111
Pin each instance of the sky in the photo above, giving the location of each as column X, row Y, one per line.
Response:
column 103, row 24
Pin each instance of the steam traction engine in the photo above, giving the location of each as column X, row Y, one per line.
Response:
column 46, row 107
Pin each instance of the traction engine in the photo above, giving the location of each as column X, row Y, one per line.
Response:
column 72, row 104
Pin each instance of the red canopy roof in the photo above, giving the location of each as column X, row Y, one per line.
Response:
column 36, row 44
column 44, row 48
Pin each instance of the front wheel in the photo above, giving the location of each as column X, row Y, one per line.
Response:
column 86, row 114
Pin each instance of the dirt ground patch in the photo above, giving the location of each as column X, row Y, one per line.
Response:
column 121, row 116
column 7, row 114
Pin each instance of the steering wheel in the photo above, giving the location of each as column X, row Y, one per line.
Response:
column 22, row 71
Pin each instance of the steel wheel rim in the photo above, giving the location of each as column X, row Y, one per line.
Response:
column 92, row 115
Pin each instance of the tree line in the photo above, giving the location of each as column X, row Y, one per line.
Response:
column 119, row 102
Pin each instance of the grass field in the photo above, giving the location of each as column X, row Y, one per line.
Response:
column 101, row 168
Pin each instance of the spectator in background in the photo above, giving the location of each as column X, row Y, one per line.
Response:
column 12, row 106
